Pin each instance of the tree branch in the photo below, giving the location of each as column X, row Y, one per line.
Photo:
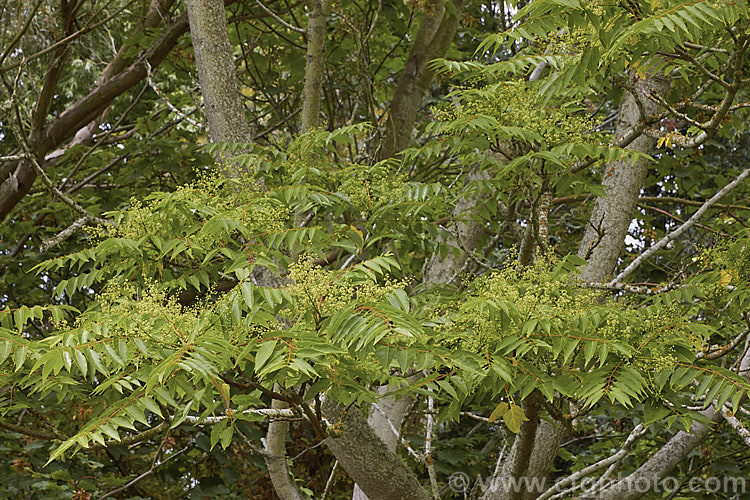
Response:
column 635, row 435
column 278, row 19
column 84, row 111
column 735, row 423
column 275, row 456
column 150, row 471
column 26, row 431
column 672, row 235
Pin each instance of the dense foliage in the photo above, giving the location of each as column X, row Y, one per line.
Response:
column 141, row 357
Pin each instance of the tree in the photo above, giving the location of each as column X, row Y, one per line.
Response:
column 508, row 274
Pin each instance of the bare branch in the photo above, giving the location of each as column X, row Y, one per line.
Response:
column 718, row 352
column 13, row 157
column 396, row 433
column 680, row 230
column 278, row 19
column 331, row 480
column 276, row 458
column 166, row 99
column 712, row 76
column 685, row 201
column 628, row 287
column 557, row 490
column 735, row 423
column 32, row 160
column 428, row 447
column 65, row 234
column 277, row 413
column 475, row 416
column 150, row 471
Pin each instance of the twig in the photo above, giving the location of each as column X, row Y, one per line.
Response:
column 331, row 480
column 104, row 138
column 660, row 100
column 267, row 412
column 150, row 471
column 684, row 227
column 475, row 416
column 404, row 442
column 280, row 20
column 64, row 198
column 630, row 288
column 17, row 37
column 636, row 434
column 430, row 428
column 735, row 423
column 135, row 154
column 349, row 261
column 255, row 448
column 684, row 201
column 674, row 217
column 141, row 436
column 723, row 350
column 316, row 445
column 12, row 157
column 166, row 99
column 48, row 182
column 696, row 46
column 687, row 56
column 65, row 234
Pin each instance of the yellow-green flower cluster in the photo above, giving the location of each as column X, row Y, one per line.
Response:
column 325, row 292
column 144, row 312
column 517, row 104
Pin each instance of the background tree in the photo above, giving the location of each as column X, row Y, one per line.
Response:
column 418, row 285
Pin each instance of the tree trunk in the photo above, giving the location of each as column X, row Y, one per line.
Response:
column 601, row 246
column 604, row 237
column 434, row 37
column 114, row 81
column 315, row 65
column 669, row 456
column 385, row 416
column 378, row 471
column 227, row 123
column 216, row 73
column 466, row 233
column 546, row 443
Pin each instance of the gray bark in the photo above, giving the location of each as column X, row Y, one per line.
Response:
column 316, row 39
column 379, row 472
column 216, row 73
column 466, row 233
column 434, row 37
column 604, row 237
column 661, row 463
column 227, row 123
column 601, row 247
column 546, row 443
column 385, row 415
column 276, row 457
